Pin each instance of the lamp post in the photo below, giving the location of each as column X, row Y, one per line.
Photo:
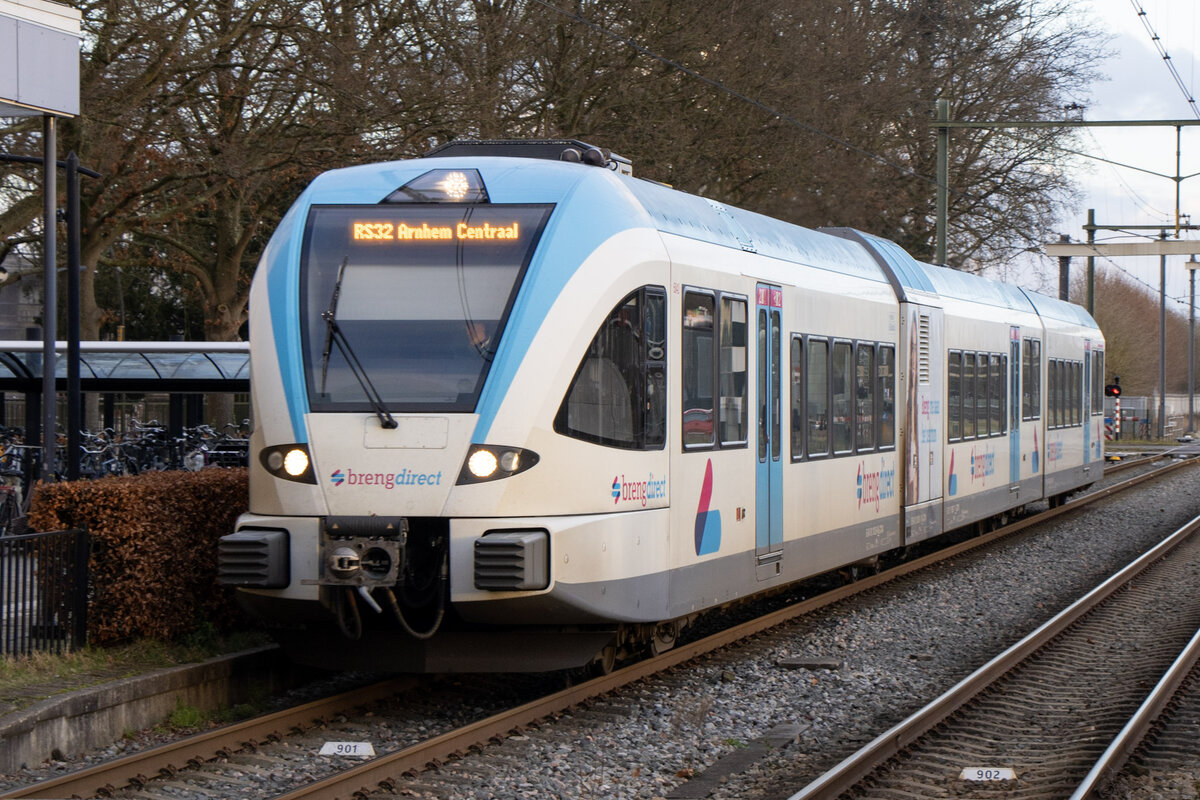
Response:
column 1192, row 265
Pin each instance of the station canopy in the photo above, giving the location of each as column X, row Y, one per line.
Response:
column 172, row 367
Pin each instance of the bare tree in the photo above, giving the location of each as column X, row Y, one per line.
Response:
column 207, row 120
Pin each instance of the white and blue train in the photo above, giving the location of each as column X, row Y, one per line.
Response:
column 516, row 409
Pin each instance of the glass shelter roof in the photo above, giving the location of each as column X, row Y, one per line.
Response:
column 133, row 366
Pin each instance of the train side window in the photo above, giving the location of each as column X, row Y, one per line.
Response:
column 797, row 363
column 1076, row 393
column 968, row 396
column 1070, row 393
column 1055, row 387
column 1031, row 380
column 763, row 394
column 618, row 395
column 817, row 397
column 842, row 384
column 864, row 396
column 698, row 375
column 885, row 398
column 733, row 408
column 954, row 395
column 995, row 395
column 1075, row 374
column 981, row 395
column 1051, row 383
column 1097, row 383
column 1064, row 394
column 1005, row 393
column 655, row 430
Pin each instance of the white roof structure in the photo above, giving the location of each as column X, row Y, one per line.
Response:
column 39, row 58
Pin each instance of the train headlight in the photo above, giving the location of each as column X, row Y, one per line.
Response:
column 295, row 463
column 489, row 463
column 290, row 462
column 442, row 186
column 483, row 464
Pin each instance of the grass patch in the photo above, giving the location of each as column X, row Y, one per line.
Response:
column 186, row 717
column 25, row 680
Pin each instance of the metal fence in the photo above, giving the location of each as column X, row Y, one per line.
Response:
column 43, row 592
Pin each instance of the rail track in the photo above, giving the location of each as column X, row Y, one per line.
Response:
column 384, row 771
column 1057, row 714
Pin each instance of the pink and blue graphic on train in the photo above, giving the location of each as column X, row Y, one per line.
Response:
column 708, row 519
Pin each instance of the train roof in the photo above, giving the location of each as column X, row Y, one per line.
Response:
column 1061, row 310
column 515, row 179
column 700, row 218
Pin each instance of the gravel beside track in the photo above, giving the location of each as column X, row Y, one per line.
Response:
column 872, row 660
column 893, row 650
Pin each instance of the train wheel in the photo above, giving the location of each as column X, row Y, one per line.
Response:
column 604, row 662
column 861, row 569
column 663, row 637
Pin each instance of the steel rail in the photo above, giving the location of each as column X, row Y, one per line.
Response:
column 862, row 763
column 168, row 758
column 1127, row 741
column 100, row 780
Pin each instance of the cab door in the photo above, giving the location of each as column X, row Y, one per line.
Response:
column 768, row 504
column 1014, row 410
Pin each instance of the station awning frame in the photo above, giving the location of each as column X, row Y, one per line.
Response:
column 169, row 367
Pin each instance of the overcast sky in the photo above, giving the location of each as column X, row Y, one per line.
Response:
column 1140, row 87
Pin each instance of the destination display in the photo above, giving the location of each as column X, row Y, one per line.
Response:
column 414, row 231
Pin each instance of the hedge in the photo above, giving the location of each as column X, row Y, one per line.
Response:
column 154, row 548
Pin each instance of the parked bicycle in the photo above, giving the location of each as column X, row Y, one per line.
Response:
column 145, row 446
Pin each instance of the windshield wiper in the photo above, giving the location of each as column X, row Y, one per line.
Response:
column 334, row 335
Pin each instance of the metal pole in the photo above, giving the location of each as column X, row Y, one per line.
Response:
column 1064, row 272
column 1191, row 346
column 1178, row 176
column 943, row 182
column 49, row 295
column 74, row 398
column 1162, row 343
column 1091, row 263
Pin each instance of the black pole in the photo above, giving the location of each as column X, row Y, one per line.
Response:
column 1162, row 343
column 1064, row 272
column 49, row 299
column 74, row 398
column 33, row 405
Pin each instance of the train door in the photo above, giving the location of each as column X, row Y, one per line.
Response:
column 1086, row 395
column 768, row 503
column 924, row 388
column 1014, row 407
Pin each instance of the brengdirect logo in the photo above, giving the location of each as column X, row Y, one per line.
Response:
column 638, row 491
column 875, row 486
column 385, row 480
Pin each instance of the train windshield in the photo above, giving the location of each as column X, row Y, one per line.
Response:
column 420, row 293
